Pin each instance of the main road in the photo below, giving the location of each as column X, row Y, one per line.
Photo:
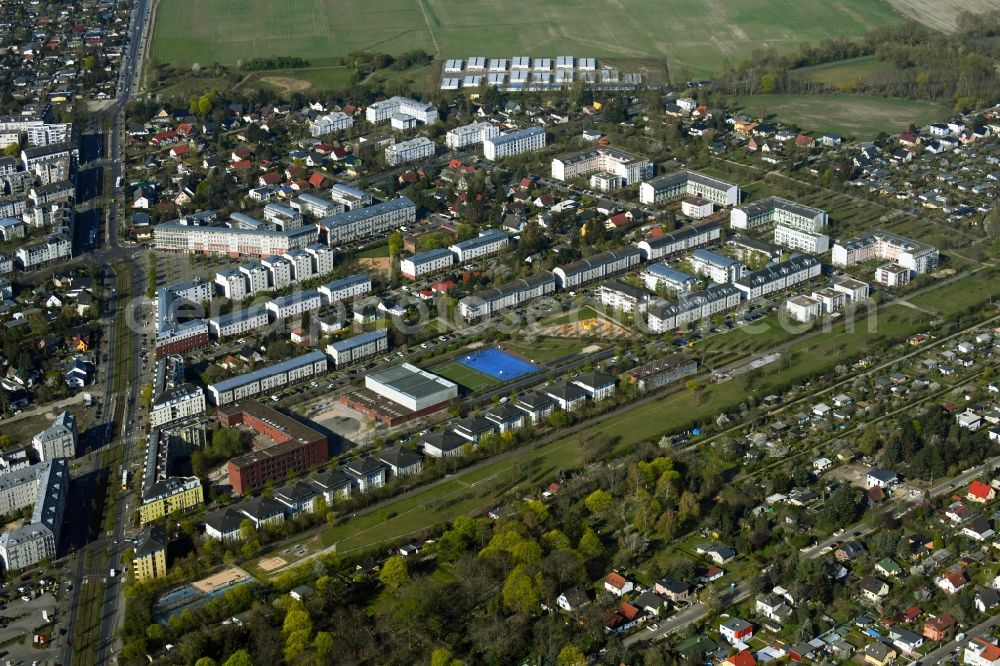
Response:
column 106, row 551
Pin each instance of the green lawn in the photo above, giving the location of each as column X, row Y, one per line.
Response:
column 852, row 116
column 689, row 34
column 317, row 78
column 478, row 489
column 851, row 71
column 544, row 350
column 471, row 379
column 766, row 332
column 373, row 253
column 959, row 295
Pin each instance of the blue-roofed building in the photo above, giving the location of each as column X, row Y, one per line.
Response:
column 367, row 222
column 716, row 267
column 345, row 288
column 354, row 349
column 426, row 262
column 264, row 380
column 240, row 322
column 486, row 243
column 661, row 275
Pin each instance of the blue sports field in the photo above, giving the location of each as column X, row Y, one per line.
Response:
column 497, row 364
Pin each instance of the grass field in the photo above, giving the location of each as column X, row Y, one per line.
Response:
column 373, row 252
column 959, row 295
column 853, row 116
column 687, row 33
column 476, row 489
column 844, row 71
column 544, row 350
column 464, row 376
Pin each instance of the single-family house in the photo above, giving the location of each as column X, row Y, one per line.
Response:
column 735, row 630
column 873, row 590
column 617, row 584
column 980, row 492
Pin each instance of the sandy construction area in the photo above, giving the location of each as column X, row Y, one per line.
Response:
column 588, row 327
column 272, row 563
column 223, row 578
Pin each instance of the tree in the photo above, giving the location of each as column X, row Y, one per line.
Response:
column 296, row 645
column 868, row 444
column 205, row 661
column 323, row 644
column 768, row 83
column 247, row 530
column 590, row 545
column 395, row 244
column 395, row 574
column 599, row 501
column 297, row 619
column 520, row 595
column 239, row 658
column 571, row 655
column 441, row 656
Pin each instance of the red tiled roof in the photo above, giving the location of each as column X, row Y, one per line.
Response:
column 744, row 658
column 316, row 180
column 616, row 581
column 979, row 489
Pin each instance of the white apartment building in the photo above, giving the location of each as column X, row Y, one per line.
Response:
column 662, row 275
column 357, row 348
column 58, row 440
column 302, row 264
column 775, row 210
column 38, row 539
column 265, row 380
column 680, row 241
column 345, row 288
column 173, row 398
column 506, row 297
column 803, row 308
column 282, row 217
column 779, row 276
column 181, row 237
column 514, row 143
column 322, row 257
column 801, row 239
column 627, row 167
column 294, row 305
column 349, row 197
column 279, row 272
column 367, row 222
column 717, row 299
column 597, row 267
column 240, row 322
column 470, row 135
column 490, row 241
column 335, row 121
column 426, row 262
column 689, row 184
column 6, row 264
column 257, row 277
column 232, row 283
column 379, row 112
column 892, row 275
column 716, row 267
column 316, row 207
column 409, row 151
column 621, row 296
column 53, row 248
column 855, row 290
column 885, row 246
column 195, row 291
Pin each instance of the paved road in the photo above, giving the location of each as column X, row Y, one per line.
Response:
column 690, row 615
column 107, row 550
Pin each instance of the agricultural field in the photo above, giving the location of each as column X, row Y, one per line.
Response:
column 852, row 116
column 959, row 295
column 690, row 34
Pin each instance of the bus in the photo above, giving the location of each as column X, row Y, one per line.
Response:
column 124, row 479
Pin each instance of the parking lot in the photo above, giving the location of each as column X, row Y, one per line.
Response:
column 21, row 621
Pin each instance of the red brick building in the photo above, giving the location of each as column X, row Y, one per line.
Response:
column 293, row 446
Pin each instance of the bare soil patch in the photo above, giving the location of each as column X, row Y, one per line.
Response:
column 940, row 14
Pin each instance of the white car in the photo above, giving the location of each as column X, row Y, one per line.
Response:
column 25, row 597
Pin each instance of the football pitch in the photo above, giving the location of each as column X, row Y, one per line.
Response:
column 470, row 379
column 699, row 35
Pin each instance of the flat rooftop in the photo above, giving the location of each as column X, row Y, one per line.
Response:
column 410, row 380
